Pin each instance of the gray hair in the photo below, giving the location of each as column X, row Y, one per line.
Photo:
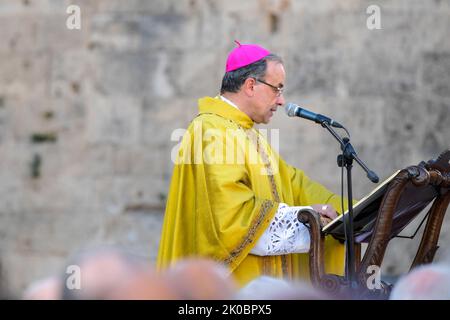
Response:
column 232, row 81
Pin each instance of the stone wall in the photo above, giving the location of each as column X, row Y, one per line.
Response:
column 86, row 115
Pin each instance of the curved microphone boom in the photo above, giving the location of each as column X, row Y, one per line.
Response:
column 293, row 110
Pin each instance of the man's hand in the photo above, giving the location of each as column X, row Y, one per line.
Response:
column 327, row 213
column 325, row 210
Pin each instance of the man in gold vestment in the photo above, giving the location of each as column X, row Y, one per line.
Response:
column 232, row 197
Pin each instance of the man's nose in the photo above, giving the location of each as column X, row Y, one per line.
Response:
column 280, row 100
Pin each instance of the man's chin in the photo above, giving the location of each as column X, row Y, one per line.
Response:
column 265, row 120
column 268, row 119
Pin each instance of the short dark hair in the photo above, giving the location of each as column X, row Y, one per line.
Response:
column 232, row 81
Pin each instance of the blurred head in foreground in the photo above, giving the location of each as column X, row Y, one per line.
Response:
column 49, row 288
column 201, row 279
column 113, row 274
column 430, row 282
column 269, row 288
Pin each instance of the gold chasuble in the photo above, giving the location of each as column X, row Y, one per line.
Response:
column 226, row 186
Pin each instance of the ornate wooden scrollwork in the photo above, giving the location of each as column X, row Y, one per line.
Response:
column 435, row 173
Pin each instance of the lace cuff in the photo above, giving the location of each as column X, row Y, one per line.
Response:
column 284, row 235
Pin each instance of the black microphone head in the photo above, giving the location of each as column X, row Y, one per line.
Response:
column 290, row 109
column 373, row 176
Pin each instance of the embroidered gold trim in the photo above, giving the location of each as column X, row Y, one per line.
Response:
column 267, row 164
column 265, row 208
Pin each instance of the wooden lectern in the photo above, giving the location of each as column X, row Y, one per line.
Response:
column 406, row 194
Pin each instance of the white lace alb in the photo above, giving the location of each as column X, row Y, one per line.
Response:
column 284, row 235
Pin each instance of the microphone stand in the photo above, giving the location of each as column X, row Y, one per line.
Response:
column 346, row 159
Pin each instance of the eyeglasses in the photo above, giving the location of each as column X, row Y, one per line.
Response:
column 278, row 90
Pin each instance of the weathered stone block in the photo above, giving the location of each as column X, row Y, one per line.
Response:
column 116, row 121
column 436, row 73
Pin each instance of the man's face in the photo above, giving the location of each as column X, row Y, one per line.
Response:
column 267, row 99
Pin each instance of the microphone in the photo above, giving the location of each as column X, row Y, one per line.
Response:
column 293, row 110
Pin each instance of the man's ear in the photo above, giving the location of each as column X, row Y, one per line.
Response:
column 249, row 87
